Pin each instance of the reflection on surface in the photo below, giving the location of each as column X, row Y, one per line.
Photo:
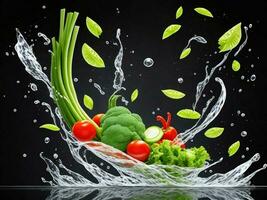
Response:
column 136, row 193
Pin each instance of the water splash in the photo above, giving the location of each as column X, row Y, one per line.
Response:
column 130, row 172
column 98, row 87
column 244, row 43
column 197, row 38
column 47, row 40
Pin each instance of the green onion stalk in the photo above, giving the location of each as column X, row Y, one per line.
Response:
column 65, row 96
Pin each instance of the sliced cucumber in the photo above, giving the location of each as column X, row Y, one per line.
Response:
column 153, row 134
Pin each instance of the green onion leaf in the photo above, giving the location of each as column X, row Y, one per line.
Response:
column 214, row 132
column 185, row 53
column 233, row 148
column 50, row 127
column 179, row 12
column 88, row 102
column 203, row 11
column 235, row 65
column 93, row 27
column 173, row 94
column 170, row 30
column 230, row 39
column 91, row 57
column 188, row 114
column 134, row 95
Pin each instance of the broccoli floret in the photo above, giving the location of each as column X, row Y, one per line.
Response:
column 120, row 127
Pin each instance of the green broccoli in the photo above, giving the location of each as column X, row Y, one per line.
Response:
column 120, row 127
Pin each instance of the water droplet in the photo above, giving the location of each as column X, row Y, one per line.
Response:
column 242, row 77
column 44, row 7
column 204, row 95
column 12, row 53
column 107, row 42
column 34, row 121
column 195, row 73
column 7, row 54
column 55, row 155
column 238, row 112
column 15, row 110
column 117, row 10
column 108, row 167
column 243, row 114
column 101, row 164
column 18, row 81
column 46, row 110
column 191, row 140
column 244, row 133
column 158, row 109
column 210, row 171
column 240, row 90
column 75, row 80
column 243, row 156
column 232, row 124
column 153, row 112
column 28, row 91
column 36, row 102
column 44, row 68
column 207, row 62
column 247, row 148
column 33, row 87
column 220, row 68
column 132, row 52
column 36, row 26
column 249, row 50
column 25, row 96
column 4, row 96
column 90, row 80
column 131, row 64
column 252, row 65
column 250, row 25
column 215, row 52
column 148, row 62
column 47, row 140
column 211, row 91
column 253, row 77
column 180, row 80
column 24, row 155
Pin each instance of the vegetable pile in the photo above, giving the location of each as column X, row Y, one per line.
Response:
column 118, row 127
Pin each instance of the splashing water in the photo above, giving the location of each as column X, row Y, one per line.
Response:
column 197, row 38
column 98, row 87
column 244, row 43
column 131, row 172
column 47, row 40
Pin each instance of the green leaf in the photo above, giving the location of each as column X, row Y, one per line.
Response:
column 233, row 148
column 91, row 57
column 214, row 132
column 230, row 39
column 188, row 114
column 235, row 65
column 203, row 11
column 170, row 30
column 50, row 127
column 134, row 95
column 93, row 27
column 88, row 102
column 173, row 94
column 179, row 12
column 185, row 53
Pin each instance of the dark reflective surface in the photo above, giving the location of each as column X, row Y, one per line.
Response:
column 135, row 193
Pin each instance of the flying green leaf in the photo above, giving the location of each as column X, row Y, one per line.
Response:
column 170, row 30
column 214, row 132
column 50, row 127
column 203, row 11
column 91, row 57
column 230, row 39
column 173, row 94
column 233, row 148
column 188, row 114
column 88, row 102
column 179, row 12
column 93, row 27
column 134, row 95
column 235, row 65
column 185, row 53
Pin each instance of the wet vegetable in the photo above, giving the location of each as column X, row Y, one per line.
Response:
column 173, row 94
column 91, row 57
column 139, row 150
column 153, row 134
column 88, row 102
column 170, row 132
column 170, row 30
column 167, row 153
column 179, row 12
column 233, row 148
column 120, row 127
column 235, row 65
column 185, row 53
column 203, row 11
column 214, row 132
column 97, row 118
column 134, row 95
column 93, row 27
column 188, row 114
column 84, row 131
column 50, row 127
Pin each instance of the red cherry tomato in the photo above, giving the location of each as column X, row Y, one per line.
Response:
column 169, row 134
column 84, row 131
column 139, row 150
column 97, row 118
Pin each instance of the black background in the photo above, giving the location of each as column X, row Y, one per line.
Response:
column 143, row 22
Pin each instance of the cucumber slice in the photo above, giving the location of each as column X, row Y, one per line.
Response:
column 153, row 134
